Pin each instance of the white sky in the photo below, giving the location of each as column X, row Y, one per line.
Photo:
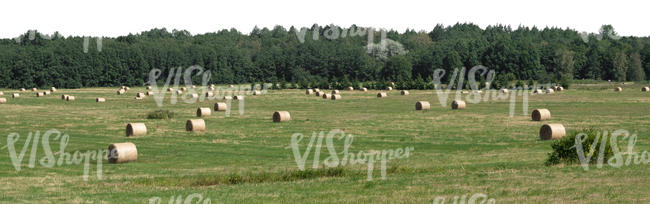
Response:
column 120, row 17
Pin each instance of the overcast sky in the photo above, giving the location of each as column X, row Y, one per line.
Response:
column 120, row 17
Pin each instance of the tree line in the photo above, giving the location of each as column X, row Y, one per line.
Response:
column 326, row 54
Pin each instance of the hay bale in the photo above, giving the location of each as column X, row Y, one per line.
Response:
column 209, row 94
column 422, row 105
column 138, row 98
column 22, row 89
column 2, row 93
column 309, row 91
column 550, row 91
column 257, row 93
column 149, row 93
column 335, row 92
column 538, row 91
column 34, row 89
column 389, row 88
column 53, row 89
column 559, row 88
column 316, row 90
column 195, row 125
column 140, row 95
column 618, row 89
column 15, row 95
column 220, row 106
column 336, row 97
column 227, row 98
column 231, row 86
column 183, row 89
column 122, row 152
column 39, row 94
column 63, row 97
column 404, row 92
column 552, row 131
column 193, row 86
column 281, row 116
column 136, row 129
column 504, row 90
column 381, row 95
column 100, row 100
column 464, row 92
column 320, row 93
column 170, row 89
column 121, row 91
column 47, row 92
column 69, row 98
column 644, row 89
column 149, row 88
column 179, row 92
column 541, row 114
column 194, row 95
column 211, row 88
column 3, row 100
column 240, row 97
column 327, row 96
column 126, row 88
column 200, row 112
column 350, row 88
column 364, row 89
column 458, row 104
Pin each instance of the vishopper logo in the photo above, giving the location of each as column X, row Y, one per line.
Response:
column 50, row 160
column 618, row 159
column 474, row 199
column 178, row 199
column 383, row 50
column 31, row 36
column 205, row 91
column 369, row 157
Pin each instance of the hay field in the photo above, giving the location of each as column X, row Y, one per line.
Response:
column 246, row 159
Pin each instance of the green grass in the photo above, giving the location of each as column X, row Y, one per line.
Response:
column 245, row 159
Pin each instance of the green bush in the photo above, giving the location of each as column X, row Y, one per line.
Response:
column 161, row 114
column 564, row 150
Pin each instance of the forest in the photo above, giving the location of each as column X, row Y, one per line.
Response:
column 325, row 54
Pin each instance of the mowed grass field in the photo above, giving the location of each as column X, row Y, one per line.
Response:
column 245, row 159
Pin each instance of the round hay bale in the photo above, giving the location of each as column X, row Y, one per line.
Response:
column 458, row 104
column 39, row 94
column 231, row 86
column 170, row 89
column 193, row 86
column 195, row 125
column 3, row 100
column 464, row 92
column 220, row 106
column 2, row 93
column 389, row 88
column 15, row 95
column 47, row 92
column 69, row 98
column 126, row 88
column 281, row 116
column 552, row 131
column 209, row 94
column 149, row 88
column 381, row 95
column 194, row 95
column 136, row 129
column 309, row 91
column 504, row 90
column 422, row 105
column 320, row 93
column 140, row 95
column 121, row 91
column 100, row 100
column 404, row 92
column 122, row 152
column 227, row 98
column 364, row 89
column 179, row 92
column 149, row 93
column 34, row 89
column 257, row 93
column 211, row 88
column 335, row 92
column 644, row 89
column 559, row 88
column 316, row 90
column 327, row 96
column 336, row 97
column 200, row 112
column 240, row 97
column 183, row 89
column 550, row 91
column 22, row 89
column 618, row 89
column 350, row 88
column 63, row 97
column 53, row 89
column 541, row 114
